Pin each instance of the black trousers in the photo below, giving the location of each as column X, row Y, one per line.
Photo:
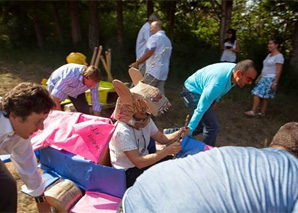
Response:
column 80, row 103
column 8, row 190
column 133, row 173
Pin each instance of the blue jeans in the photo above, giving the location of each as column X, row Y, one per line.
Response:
column 208, row 124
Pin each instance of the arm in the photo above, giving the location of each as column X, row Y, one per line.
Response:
column 165, row 138
column 277, row 77
column 147, row 55
column 208, row 96
column 143, row 161
column 57, row 103
column 43, row 206
column 237, row 48
column 95, row 100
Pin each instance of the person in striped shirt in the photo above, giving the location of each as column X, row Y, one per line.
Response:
column 71, row 81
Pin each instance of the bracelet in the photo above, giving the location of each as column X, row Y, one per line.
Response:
column 40, row 199
column 275, row 84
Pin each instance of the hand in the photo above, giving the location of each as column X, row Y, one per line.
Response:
column 273, row 86
column 174, row 148
column 43, row 207
column 96, row 113
column 134, row 65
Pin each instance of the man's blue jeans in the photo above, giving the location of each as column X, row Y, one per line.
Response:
column 208, row 124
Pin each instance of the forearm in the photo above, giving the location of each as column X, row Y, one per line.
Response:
column 57, row 103
column 151, row 159
column 145, row 57
column 277, row 76
column 165, row 138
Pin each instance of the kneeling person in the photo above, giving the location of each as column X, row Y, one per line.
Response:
column 128, row 146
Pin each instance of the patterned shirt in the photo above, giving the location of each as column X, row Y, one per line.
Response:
column 67, row 80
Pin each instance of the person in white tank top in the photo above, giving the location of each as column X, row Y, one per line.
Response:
column 268, row 80
column 230, row 47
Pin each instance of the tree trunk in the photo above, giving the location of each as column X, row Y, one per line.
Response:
column 93, row 25
column 225, row 20
column 294, row 51
column 37, row 28
column 75, row 24
column 57, row 22
column 171, row 15
column 120, row 22
column 150, row 8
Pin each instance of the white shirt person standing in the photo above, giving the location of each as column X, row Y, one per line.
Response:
column 142, row 39
column 157, row 57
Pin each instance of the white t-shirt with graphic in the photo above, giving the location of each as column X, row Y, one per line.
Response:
column 126, row 138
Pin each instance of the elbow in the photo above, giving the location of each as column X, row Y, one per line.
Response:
column 139, row 165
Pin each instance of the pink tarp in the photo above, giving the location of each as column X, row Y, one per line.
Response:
column 96, row 202
column 84, row 135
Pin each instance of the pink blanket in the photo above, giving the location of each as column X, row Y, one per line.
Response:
column 96, row 202
column 84, row 135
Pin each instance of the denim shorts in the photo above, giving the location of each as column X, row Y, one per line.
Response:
column 190, row 99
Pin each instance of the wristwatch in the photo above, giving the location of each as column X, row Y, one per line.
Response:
column 40, row 199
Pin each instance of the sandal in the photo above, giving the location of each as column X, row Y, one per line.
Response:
column 250, row 113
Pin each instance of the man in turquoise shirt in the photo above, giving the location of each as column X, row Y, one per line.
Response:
column 203, row 90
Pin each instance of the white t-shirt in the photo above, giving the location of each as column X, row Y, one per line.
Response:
column 269, row 65
column 142, row 39
column 158, row 64
column 228, row 55
column 126, row 138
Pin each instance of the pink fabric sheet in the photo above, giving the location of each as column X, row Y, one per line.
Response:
column 96, row 202
column 84, row 135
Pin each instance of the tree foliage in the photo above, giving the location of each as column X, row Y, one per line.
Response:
column 194, row 27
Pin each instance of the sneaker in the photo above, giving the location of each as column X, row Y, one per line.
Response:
column 261, row 114
column 170, row 130
column 250, row 113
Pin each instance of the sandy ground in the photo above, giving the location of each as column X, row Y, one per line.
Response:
column 235, row 128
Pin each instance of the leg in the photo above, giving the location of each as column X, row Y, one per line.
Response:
column 142, row 68
column 161, row 86
column 132, row 174
column 210, row 130
column 256, row 103
column 80, row 103
column 8, row 192
column 264, row 102
column 149, row 79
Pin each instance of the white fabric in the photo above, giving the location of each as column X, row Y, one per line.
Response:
column 229, row 55
column 22, row 156
column 142, row 39
column 126, row 138
column 158, row 64
column 269, row 65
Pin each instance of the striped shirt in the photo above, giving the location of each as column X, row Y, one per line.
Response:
column 67, row 80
